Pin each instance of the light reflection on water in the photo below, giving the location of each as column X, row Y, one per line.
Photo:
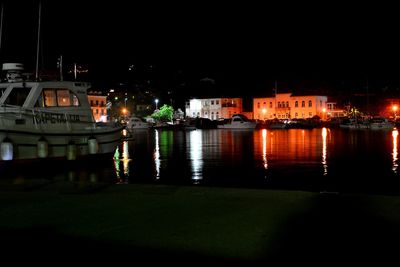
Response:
column 324, row 148
column 196, row 155
column 264, row 148
column 395, row 134
column 157, row 162
column 301, row 157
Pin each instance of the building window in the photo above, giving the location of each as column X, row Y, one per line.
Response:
column 309, row 103
column 279, row 104
column 212, row 102
column 217, row 102
column 270, row 104
column 287, row 104
column 295, row 114
column 303, row 104
column 258, row 104
column 296, row 104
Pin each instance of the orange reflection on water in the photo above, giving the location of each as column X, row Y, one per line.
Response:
column 293, row 146
column 395, row 134
column 264, row 148
column 324, row 133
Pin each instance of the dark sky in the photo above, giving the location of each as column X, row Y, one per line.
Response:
column 240, row 45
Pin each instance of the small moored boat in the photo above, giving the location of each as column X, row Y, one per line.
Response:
column 238, row 121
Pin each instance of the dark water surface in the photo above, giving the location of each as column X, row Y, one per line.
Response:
column 332, row 160
column 317, row 160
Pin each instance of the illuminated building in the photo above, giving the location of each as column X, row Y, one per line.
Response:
column 289, row 106
column 214, row 108
column 98, row 105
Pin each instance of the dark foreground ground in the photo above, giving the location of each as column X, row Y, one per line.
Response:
column 64, row 223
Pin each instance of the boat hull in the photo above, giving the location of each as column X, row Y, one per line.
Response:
column 26, row 145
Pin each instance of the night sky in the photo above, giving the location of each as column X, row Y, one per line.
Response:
column 231, row 48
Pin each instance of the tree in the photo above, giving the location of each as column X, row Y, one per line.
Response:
column 165, row 113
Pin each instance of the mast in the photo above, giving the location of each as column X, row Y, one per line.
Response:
column 368, row 99
column 38, row 42
column 276, row 92
column 1, row 24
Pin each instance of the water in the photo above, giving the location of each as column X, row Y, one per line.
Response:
column 331, row 160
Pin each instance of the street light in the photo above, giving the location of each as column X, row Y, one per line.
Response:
column 394, row 108
column 156, row 102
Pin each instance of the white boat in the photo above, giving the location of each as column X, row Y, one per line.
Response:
column 238, row 121
column 50, row 119
column 379, row 123
column 376, row 123
column 355, row 124
column 136, row 123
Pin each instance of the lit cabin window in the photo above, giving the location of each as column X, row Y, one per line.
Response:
column 17, row 96
column 58, row 97
column 63, row 99
column 49, row 97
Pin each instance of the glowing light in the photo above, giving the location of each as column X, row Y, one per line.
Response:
column 156, row 100
column 394, row 108
column 323, row 110
column 395, row 165
column 264, row 110
column 124, row 111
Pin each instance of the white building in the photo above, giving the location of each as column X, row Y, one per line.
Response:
column 213, row 108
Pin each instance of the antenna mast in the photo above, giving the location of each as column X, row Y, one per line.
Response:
column 38, row 42
column 1, row 24
column 276, row 91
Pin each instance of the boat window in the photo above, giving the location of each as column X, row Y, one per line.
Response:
column 17, row 96
column 63, row 98
column 2, row 91
column 59, row 97
column 75, row 101
column 49, row 96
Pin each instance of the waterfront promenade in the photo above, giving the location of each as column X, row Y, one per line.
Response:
column 194, row 224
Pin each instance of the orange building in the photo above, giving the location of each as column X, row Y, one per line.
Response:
column 288, row 106
column 98, row 105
